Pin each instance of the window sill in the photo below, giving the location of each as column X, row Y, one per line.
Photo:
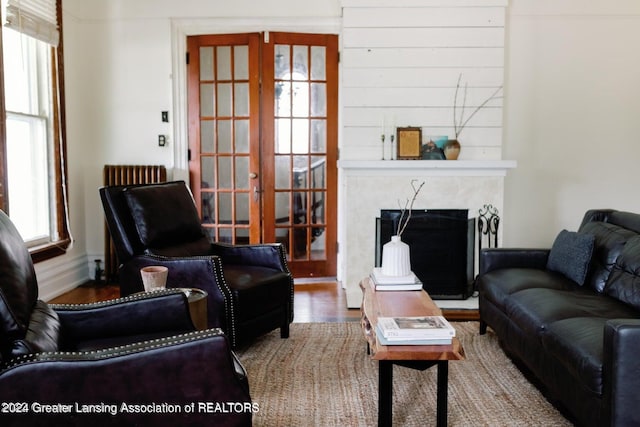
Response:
column 50, row 250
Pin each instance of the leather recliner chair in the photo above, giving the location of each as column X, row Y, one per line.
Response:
column 250, row 287
column 141, row 351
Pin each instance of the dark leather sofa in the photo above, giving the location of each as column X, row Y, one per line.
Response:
column 580, row 341
column 141, row 351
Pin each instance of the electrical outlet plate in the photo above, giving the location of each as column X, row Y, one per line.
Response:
column 162, row 140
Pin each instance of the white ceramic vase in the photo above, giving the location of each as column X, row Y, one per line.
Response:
column 395, row 258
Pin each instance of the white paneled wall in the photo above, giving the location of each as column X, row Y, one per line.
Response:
column 401, row 60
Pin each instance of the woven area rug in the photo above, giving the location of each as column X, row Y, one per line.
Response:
column 322, row 376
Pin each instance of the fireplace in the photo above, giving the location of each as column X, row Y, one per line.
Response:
column 442, row 248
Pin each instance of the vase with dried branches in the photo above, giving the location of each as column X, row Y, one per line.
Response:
column 460, row 120
column 396, row 254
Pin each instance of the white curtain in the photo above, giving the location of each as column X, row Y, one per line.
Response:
column 35, row 18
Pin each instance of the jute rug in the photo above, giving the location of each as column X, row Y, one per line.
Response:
column 322, row 376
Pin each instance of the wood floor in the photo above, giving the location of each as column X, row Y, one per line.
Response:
column 314, row 302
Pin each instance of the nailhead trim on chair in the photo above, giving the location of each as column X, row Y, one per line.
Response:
column 134, row 297
column 283, row 258
column 230, row 312
column 113, row 351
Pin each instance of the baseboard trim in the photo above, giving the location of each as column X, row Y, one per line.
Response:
column 60, row 275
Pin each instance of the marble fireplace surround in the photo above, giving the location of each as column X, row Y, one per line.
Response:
column 366, row 187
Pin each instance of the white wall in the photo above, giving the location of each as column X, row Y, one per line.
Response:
column 401, row 63
column 117, row 75
column 571, row 104
column 572, row 114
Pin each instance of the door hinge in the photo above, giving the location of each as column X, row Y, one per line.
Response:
column 187, row 58
column 337, row 247
column 338, row 57
column 188, row 154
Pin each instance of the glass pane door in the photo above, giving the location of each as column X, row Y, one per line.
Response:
column 225, row 182
column 263, row 142
column 303, row 147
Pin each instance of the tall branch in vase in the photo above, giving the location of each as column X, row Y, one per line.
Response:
column 405, row 213
column 459, row 123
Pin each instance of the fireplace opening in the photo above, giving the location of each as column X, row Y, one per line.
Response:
column 441, row 243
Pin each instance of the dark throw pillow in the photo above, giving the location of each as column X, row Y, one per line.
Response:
column 571, row 254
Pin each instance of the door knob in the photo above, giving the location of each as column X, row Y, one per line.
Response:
column 253, row 175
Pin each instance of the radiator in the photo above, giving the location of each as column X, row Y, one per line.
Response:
column 125, row 175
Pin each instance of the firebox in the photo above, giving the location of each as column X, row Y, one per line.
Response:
column 441, row 243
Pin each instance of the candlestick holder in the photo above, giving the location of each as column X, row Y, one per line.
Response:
column 392, row 138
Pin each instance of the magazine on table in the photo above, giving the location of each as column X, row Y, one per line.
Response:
column 411, row 341
column 416, row 327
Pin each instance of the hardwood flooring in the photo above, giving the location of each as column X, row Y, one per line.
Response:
column 314, row 302
column 88, row 293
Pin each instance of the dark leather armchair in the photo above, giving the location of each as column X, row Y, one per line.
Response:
column 250, row 287
column 131, row 361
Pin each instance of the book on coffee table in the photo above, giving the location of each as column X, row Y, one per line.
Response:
column 424, row 327
column 407, row 287
column 395, row 283
column 411, row 341
column 383, row 279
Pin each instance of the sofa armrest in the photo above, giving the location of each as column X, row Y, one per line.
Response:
column 495, row 258
column 166, row 376
column 620, row 371
column 164, row 310
column 269, row 255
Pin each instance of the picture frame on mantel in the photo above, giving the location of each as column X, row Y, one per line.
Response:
column 409, row 143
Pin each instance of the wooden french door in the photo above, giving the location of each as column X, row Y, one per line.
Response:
column 263, row 142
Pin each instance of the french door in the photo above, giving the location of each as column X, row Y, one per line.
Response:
column 263, row 142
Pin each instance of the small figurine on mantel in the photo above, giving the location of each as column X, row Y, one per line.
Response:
column 431, row 151
column 395, row 272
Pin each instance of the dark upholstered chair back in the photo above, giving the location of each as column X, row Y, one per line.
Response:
column 120, row 223
column 153, row 218
column 18, row 284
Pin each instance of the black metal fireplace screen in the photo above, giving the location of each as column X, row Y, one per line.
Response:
column 441, row 242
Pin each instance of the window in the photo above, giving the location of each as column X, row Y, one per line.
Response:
column 32, row 138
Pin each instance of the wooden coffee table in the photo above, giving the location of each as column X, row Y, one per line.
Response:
column 421, row 357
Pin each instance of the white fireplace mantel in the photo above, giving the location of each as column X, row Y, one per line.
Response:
column 367, row 186
column 427, row 167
